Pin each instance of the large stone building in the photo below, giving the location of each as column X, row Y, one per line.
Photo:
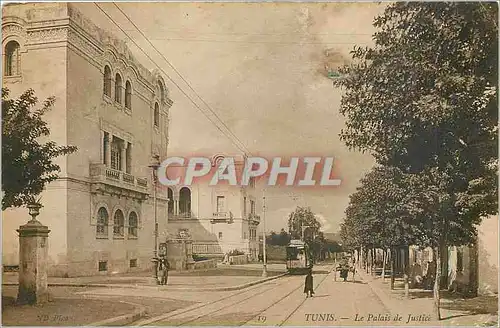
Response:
column 116, row 112
column 219, row 219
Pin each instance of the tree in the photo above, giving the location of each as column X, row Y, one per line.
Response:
column 303, row 218
column 376, row 215
column 303, row 224
column 26, row 161
column 423, row 99
column 281, row 239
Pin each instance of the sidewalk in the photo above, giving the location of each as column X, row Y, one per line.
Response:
column 69, row 311
column 395, row 301
column 223, row 278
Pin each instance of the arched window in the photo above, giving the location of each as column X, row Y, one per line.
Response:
column 107, row 81
column 128, row 95
column 118, row 88
column 132, row 224
column 12, row 58
column 118, row 224
column 102, row 223
column 185, row 202
column 170, row 201
column 157, row 115
column 162, row 92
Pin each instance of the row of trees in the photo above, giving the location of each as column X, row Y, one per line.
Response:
column 423, row 102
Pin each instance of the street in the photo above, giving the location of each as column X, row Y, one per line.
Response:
column 278, row 302
column 282, row 302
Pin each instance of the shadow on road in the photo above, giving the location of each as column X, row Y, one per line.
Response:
column 352, row 282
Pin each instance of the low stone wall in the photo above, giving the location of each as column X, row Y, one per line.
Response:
column 238, row 259
column 205, row 264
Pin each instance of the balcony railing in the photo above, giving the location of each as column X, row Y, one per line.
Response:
column 222, row 217
column 254, row 217
column 103, row 174
column 182, row 215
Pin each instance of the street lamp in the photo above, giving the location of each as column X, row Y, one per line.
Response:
column 155, row 164
column 264, row 259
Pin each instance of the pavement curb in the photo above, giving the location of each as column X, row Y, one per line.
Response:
column 228, row 288
column 124, row 319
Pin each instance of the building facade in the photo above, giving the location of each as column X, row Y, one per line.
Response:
column 219, row 219
column 465, row 268
column 100, row 209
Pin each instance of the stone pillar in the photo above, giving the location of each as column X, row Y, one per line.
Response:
column 108, row 150
column 128, row 168
column 123, row 164
column 33, row 257
column 103, row 148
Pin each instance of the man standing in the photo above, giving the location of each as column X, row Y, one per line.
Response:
column 164, row 266
column 308, row 285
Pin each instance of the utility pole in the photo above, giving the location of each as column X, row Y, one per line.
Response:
column 155, row 164
column 264, row 272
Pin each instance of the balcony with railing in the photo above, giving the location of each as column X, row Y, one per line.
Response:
column 222, row 217
column 181, row 216
column 254, row 218
column 105, row 178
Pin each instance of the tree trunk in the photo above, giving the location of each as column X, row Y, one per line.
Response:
column 444, row 266
column 357, row 260
column 437, row 282
column 383, row 264
column 405, row 273
column 371, row 261
column 367, row 252
column 473, row 267
column 393, row 274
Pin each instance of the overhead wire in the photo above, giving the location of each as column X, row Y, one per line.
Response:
column 180, row 75
column 242, row 149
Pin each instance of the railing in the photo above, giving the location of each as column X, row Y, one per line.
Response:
column 142, row 182
column 183, row 215
column 254, row 217
column 128, row 178
column 207, row 249
column 221, row 215
column 99, row 172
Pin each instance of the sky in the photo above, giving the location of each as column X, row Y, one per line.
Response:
column 261, row 68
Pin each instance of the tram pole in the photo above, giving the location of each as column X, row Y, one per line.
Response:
column 264, row 259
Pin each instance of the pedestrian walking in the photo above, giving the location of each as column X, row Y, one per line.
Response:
column 308, row 285
column 344, row 269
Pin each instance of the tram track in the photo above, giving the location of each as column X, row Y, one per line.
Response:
column 302, row 302
column 200, row 306
column 253, row 292
column 233, row 304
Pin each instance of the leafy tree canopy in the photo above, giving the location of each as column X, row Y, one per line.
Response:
column 301, row 218
column 427, row 87
column 26, row 161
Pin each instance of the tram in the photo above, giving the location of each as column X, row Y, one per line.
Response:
column 298, row 258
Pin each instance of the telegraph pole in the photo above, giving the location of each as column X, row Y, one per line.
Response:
column 264, row 272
